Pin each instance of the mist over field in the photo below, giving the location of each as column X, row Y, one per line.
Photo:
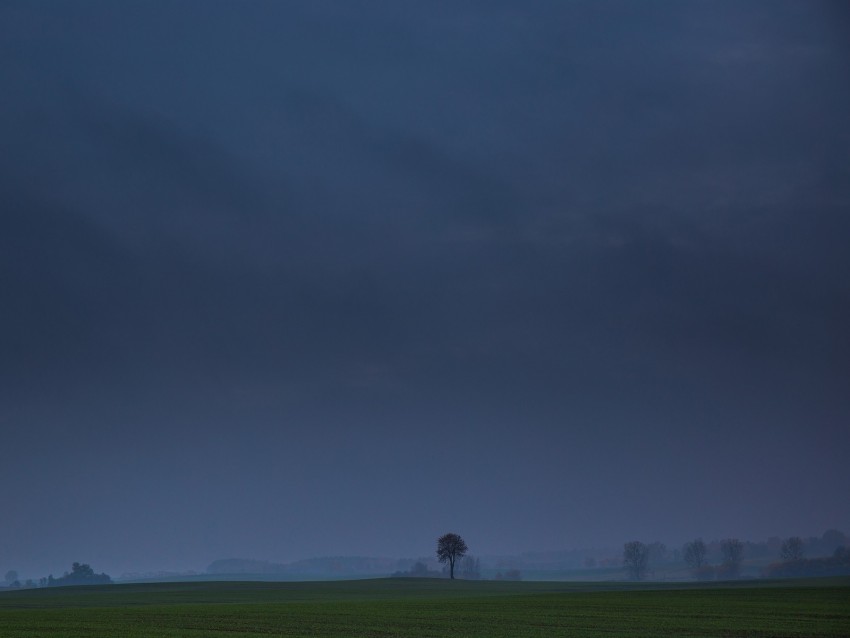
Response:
column 281, row 281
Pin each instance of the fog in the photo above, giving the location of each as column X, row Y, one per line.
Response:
column 305, row 279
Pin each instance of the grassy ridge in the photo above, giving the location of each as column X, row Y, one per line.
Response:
column 430, row 608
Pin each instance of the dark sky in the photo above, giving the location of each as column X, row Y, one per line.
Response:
column 293, row 279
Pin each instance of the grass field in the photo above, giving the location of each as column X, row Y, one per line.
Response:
column 430, row 608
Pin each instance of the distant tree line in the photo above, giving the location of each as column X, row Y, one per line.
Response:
column 12, row 579
column 638, row 556
column 728, row 555
column 80, row 574
column 795, row 565
column 732, row 556
column 419, row 569
column 320, row 566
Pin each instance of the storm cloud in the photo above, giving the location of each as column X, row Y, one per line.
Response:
column 282, row 280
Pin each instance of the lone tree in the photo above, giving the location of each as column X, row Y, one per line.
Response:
column 792, row 549
column 636, row 559
column 695, row 553
column 450, row 548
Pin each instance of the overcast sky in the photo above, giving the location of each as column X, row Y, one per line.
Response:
column 293, row 279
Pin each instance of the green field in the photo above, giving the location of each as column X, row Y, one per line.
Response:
column 412, row 607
